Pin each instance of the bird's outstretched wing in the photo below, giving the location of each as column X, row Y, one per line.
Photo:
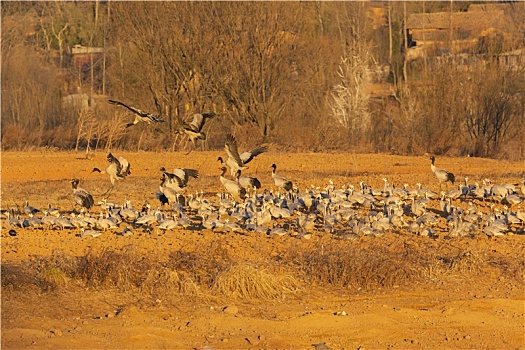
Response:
column 247, row 156
column 172, row 177
column 199, row 119
column 185, row 174
column 231, row 149
column 139, row 112
column 112, row 159
column 126, row 167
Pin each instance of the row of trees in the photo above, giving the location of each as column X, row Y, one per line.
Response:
column 301, row 75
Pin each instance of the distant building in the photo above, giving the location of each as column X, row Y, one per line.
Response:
column 443, row 33
column 83, row 56
column 76, row 101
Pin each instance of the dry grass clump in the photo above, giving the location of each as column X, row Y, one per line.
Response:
column 52, row 277
column 51, row 272
column 167, row 282
column 249, row 282
column 184, row 274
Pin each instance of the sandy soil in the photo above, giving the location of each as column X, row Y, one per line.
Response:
column 483, row 310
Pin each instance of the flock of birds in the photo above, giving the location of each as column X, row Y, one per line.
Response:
column 346, row 212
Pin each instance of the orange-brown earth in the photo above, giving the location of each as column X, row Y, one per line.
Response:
column 477, row 308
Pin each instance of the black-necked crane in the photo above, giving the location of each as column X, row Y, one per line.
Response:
column 442, row 175
column 178, row 180
column 281, row 181
column 248, row 181
column 117, row 169
column 82, row 197
column 173, row 185
column 236, row 161
column 232, row 187
column 140, row 116
column 194, row 128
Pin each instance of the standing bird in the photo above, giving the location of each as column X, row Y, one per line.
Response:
column 236, row 161
column 280, row 181
column 81, row 196
column 232, row 187
column 30, row 210
column 140, row 116
column 441, row 174
column 117, row 169
column 194, row 128
column 248, row 181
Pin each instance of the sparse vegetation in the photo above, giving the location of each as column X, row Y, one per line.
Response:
column 203, row 274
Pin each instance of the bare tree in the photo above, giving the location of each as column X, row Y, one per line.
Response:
column 491, row 110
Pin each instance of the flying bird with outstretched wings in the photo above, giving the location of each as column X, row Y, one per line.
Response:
column 236, row 161
column 140, row 115
column 194, row 128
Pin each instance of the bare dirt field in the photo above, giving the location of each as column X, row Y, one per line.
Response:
column 214, row 289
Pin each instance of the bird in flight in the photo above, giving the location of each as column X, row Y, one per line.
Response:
column 193, row 129
column 236, row 161
column 140, row 116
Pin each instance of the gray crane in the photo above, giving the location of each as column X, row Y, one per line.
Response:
column 82, row 197
column 140, row 115
column 193, row 129
column 281, row 181
column 117, row 169
column 236, row 161
column 442, row 175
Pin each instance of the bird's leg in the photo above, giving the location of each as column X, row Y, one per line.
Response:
column 107, row 193
column 194, row 146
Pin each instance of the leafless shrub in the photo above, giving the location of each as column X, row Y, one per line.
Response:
column 355, row 267
column 464, row 261
column 202, row 265
column 126, row 269
column 13, row 136
column 17, row 277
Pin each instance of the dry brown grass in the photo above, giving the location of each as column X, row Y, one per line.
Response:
column 209, row 271
column 249, row 282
